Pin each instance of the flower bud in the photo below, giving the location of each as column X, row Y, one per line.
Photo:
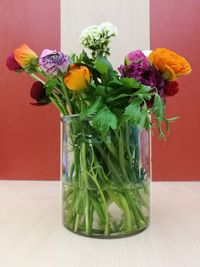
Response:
column 24, row 55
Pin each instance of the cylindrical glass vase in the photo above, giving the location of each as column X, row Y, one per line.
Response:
column 105, row 179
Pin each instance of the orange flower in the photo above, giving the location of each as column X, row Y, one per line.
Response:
column 170, row 64
column 23, row 55
column 77, row 78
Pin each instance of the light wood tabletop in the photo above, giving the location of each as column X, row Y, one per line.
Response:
column 32, row 235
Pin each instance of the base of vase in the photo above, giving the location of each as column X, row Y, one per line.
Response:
column 112, row 236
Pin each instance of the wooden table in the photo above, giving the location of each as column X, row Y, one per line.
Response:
column 31, row 233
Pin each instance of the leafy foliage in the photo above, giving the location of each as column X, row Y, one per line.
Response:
column 104, row 119
column 130, row 83
column 102, row 65
column 92, row 109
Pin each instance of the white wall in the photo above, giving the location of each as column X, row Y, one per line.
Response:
column 130, row 16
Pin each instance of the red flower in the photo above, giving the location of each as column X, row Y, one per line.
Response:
column 171, row 88
column 37, row 90
column 38, row 93
column 11, row 63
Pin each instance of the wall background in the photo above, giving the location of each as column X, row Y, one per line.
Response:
column 30, row 136
column 175, row 25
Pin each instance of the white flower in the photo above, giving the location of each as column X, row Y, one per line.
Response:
column 97, row 37
column 109, row 28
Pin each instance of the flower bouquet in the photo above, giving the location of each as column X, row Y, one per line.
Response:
column 107, row 117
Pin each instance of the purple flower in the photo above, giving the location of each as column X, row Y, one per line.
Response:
column 51, row 62
column 12, row 64
column 147, row 76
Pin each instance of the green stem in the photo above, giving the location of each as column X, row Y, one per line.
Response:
column 76, row 222
column 36, row 78
column 122, row 156
column 59, row 100
column 127, row 137
column 116, row 174
column 127, row 213
column 94, row 177
column 55, row 102
column 84, row 175
column 143, row 197
column 112, row 149
column 65, row 92
column 136, row 133
column 136, row 208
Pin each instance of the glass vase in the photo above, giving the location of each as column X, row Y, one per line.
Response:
column 105, row 179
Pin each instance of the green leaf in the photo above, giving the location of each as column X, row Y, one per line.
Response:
column 102, row 65
column 104, row 120
column 84, row 57
column 142, row 93
column 167, row 122
column 113, row 98
column 167, row 125
column 144, row 90
column 100, row 90
column 130, row 83
column 158, row 107
column 115, row 84
column 94, row 108
column 144, row 117
column 172, row 119
column 50, row 85
column 133, row 111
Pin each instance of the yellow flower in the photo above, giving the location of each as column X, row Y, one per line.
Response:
column 77, row 78
column 170, row 64
column 23, row 55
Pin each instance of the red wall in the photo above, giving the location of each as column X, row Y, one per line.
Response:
column 29, row 136
column 175, row 24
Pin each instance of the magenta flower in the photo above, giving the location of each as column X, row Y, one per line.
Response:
column 51, row 62
column 147, row 76
column 138, row 67
column 12, row 64
column 137, row 57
